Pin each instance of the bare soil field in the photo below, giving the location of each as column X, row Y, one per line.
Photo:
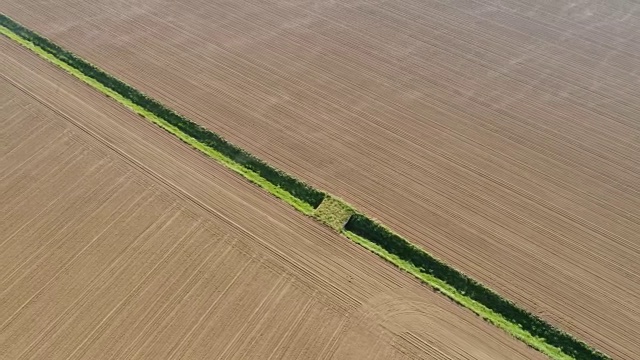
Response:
column 120, row 242
column 502, row 136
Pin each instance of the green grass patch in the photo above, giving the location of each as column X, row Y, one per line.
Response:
column 325, row 208
column 333, row 212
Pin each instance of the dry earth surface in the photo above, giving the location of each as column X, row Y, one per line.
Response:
column 501, row 135
column 117, row 241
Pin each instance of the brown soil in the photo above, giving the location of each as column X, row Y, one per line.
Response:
column 120, row 242
column 502, row 136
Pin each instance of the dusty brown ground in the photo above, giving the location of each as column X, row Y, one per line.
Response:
column 120, row 242
column 503, row 136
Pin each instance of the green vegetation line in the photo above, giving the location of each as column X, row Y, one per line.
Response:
column 327, row 209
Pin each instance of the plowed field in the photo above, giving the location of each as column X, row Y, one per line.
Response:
column 120, row 242
column 503, row 136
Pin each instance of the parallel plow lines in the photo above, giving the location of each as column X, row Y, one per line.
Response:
column 358, row 227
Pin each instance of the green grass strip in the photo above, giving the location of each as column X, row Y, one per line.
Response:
column 242, row 158
column 459, row 298
column 327, row 209
column 252, row 176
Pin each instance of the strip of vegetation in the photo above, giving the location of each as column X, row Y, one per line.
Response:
column 274, row 176
column 459, row 298
column 460, row 288
column 539, row 334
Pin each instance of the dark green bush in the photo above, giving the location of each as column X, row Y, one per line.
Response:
column 394, row 244
column 294, row 186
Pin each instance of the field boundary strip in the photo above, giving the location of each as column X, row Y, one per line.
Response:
column 324, row 207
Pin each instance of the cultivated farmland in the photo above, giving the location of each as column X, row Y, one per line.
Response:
column 119, row 241
column 502, row 136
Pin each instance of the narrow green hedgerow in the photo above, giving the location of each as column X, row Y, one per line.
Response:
column 483, row 301
column 232, row 153
column 334, row 212
column 252, row 176
column 458, row 297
